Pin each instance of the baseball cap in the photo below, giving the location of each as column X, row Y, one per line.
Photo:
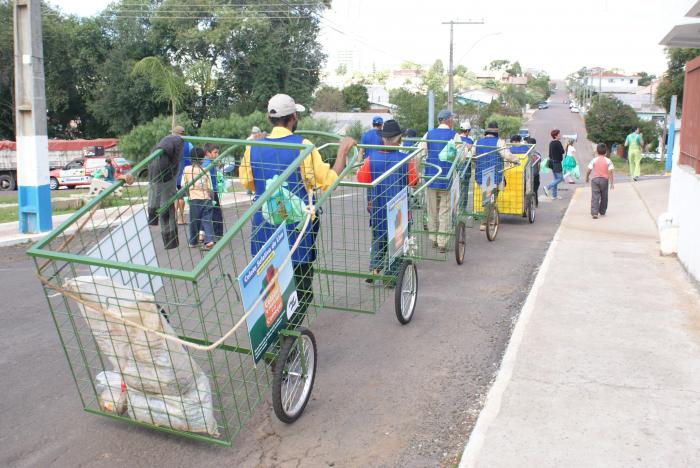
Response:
column 179, row 130
column 281, row 105
column 465, row 125
column 377, row 120
column 444, row 115
column 391, row 129
column 255, row 130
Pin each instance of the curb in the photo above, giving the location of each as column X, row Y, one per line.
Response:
column 494, row 398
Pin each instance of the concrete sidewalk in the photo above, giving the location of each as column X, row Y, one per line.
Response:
column 603, row 367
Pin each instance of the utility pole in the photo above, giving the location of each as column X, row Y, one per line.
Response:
column 34, row 200
column 450, row 73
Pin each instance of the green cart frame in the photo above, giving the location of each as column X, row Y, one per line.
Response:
column 157, row 336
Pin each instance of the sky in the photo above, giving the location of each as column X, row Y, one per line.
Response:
column 557, row 36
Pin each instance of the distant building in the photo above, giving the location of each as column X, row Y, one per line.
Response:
column 495, row 75
column 642, row 101
column 411, row 80
column 612, row 82
column 517, row 81
column 482, row 96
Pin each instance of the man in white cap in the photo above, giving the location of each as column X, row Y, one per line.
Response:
column 261, row 164
column 255, row 134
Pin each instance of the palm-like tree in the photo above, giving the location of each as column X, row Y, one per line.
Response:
column 167, row 82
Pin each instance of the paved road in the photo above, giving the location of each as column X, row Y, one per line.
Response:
column 385, row 395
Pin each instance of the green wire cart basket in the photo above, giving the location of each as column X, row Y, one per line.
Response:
column 181, row 338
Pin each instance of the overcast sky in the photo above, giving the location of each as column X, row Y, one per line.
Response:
column 558, row 36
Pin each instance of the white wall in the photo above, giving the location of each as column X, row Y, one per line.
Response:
column 683, row 205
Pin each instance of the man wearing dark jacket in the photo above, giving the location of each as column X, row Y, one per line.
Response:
column 162, row 174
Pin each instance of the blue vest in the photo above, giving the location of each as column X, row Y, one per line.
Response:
column 519, row 149
column 379, row 195
column 371, row 137
column 488, row 145
column 265, row 163
column 441, row 183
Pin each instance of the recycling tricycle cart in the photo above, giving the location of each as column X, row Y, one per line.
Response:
column 510, row 194
column 183, row 339
column 368, row 241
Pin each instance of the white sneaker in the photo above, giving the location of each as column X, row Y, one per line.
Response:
column 546, row 191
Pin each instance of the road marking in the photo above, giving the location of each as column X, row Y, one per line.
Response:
column 494, row 398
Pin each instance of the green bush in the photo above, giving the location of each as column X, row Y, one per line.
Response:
column 234, row 126
column 138, row 143
column 356, row 130
column 507, row 125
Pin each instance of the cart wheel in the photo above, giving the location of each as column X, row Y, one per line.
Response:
column 492, row 223
column 531, row 209
column 406, row 294
column 460, row 242
column 291, row 385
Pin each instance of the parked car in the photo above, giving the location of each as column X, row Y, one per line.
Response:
column 79, row 171
column 543, row 105
column 575, row 109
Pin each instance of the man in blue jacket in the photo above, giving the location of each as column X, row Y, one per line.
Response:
column 438, row 193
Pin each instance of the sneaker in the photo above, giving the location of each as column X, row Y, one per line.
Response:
column 482, row 227
column 546, row 192
column 192, row 246
column 558, row 197
column 443, row 249
column 371, row 280
column 594, row 216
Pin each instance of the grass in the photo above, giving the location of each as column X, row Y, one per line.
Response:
column 8, row 215
column 11, row 197
column 648, row 166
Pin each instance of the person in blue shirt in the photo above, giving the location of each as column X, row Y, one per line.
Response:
column 374, row 166
column 211, row 152
column 410, row 144
column 372, row 136
column 489, row 153
column 184, row 162
column 438, row 193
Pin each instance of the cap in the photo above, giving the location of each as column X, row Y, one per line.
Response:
column 410, row 133
column 281, row 105
column 444, row 115
column 255, row 130
column 492, row 127
column 465, row 125
column 391, row 129
column 179, row 130
column 377, row 120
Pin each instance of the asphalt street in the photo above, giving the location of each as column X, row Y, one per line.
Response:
column 385, row 394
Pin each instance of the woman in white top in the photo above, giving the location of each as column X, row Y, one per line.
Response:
column 570, row 162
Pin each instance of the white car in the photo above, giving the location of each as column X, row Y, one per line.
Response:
column 575, row 109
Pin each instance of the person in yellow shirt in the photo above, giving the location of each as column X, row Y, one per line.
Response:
column 260, row 164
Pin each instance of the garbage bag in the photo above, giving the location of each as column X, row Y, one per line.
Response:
column 449, row 152
column 146, row 362
column 544, row 166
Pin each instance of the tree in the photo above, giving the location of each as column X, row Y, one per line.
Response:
column 609, row 120
column 329, row 99
column 167, row 82
column 645, row 79
column 514, row 69
column 201, row 76
column 435, row 79
column 412, row 109
column 356, row 97
column 408, row 65
column 499, row 64
column 672, row 81
column 341, row 70
column 507, row 124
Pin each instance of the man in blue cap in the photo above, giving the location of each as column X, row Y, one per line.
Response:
column 438, row 193
column 373, row 136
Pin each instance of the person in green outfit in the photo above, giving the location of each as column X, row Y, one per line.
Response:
column 570, row 163
column 634, row 143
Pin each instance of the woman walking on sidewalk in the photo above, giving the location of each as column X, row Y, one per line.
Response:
column 570, row 162
column 556, row 156
column 634, row 143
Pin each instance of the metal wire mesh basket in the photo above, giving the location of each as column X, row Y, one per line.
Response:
column 188, row 337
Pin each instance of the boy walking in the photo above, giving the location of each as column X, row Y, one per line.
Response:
column 602, row 169
column 200, row 194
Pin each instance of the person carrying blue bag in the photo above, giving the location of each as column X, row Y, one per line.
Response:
column 262, row 164
column 438, row 193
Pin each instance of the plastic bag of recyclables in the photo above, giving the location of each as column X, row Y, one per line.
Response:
column 155, row 381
